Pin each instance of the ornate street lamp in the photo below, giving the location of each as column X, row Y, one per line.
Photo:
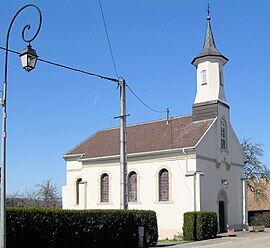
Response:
column 29, row 58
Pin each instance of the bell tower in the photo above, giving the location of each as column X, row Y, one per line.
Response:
column 210, row 80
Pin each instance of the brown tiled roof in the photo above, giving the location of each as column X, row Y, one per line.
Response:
column 257, row 204
column 145, row 137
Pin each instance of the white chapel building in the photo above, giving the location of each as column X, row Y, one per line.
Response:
column 191, row 163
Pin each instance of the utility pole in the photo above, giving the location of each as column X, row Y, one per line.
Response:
column 123, row 147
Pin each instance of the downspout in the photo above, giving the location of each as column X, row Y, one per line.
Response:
column 186, row 161
column 198, row 189
column 194, row 174
column 194, row 179
column 197, row 182
column 245, row 204
column 194, row 186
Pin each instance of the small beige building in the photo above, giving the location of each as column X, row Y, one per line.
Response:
column 187, row 163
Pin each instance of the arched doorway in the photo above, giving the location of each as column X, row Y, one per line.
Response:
column 222, row 202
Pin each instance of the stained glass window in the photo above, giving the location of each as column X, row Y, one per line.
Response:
column 223, row 134
column 105, row 188
column 132, row 187
column 163, row 185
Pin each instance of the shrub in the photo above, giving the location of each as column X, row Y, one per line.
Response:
column 72, row 228
column 260, row 220
column 199, row 225
column 148, row 219
column 189, row 226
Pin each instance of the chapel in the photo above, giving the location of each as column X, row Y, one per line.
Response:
column 189, row 163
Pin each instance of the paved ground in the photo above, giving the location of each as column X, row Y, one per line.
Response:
column 243, row 239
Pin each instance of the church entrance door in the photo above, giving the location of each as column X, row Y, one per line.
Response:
column 221, row 216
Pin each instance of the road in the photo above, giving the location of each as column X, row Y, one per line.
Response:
column 230, row 243
column 243, row 239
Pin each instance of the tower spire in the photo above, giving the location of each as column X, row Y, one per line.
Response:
column 209, row 46
column 210, row 100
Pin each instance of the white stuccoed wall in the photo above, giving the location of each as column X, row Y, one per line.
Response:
column 169, row 214
column 214, row 75
column 209, row 152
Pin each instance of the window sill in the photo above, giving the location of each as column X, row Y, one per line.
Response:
column 104, row 203
column 164, row 202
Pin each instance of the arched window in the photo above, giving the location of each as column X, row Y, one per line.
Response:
column 203, row 74
column 223, row 134
column 163, row 185
column 132, row 187
column 104, row 197
column 220, row 78
column 78, row 181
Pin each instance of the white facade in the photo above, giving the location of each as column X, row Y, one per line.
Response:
column 209, row 72
column 203, row 177
column 188, row 191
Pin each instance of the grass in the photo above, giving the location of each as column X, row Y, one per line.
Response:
column 175, row 239
column 169, row 241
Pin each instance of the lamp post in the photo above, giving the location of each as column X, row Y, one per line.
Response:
column 28, row 58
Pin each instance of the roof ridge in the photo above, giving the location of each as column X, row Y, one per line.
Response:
column 154, row 121
column 146, row 122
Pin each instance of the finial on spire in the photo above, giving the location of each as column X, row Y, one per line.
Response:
column 208, row 12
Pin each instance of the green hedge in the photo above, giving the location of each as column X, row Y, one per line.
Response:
column 85, row 228
column 148, row 219
column 260, row 220
column 199, row 225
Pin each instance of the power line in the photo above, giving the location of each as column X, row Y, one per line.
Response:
column 157, row 111
column 78, row 70
column 96, row 75
column 108, row 39
column 68, row 67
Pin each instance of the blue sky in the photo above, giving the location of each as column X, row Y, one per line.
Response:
column 50, row 110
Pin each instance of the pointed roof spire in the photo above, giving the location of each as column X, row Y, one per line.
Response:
column 209, row 47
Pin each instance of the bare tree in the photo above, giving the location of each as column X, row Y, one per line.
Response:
column 44, row 195
column 255, row 171
column 48, row 195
